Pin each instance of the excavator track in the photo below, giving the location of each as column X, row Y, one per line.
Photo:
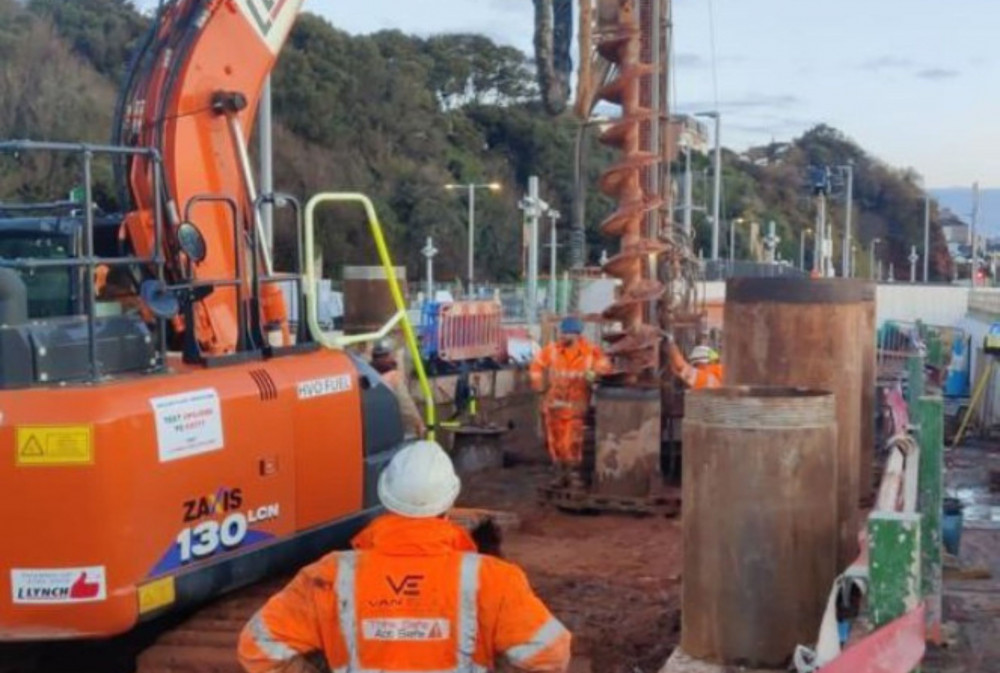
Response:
column 206, row 643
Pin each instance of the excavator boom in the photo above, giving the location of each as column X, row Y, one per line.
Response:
column 192, row 96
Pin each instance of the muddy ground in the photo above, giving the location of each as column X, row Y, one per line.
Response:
column 614, row 580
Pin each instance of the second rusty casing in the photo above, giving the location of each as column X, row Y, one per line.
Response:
column 759, row 520
column 368, row 303
column 812, row 333
column 627, row 430
column 869, row 378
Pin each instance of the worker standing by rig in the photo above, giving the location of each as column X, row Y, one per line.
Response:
column 566, row 370
column 384, row 362
column 413, row 595
column 701, row 370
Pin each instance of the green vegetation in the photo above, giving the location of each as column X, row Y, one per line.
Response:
column 398, row 117
column 770, row 184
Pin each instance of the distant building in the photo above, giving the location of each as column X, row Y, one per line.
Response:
column 689, row 131
column 767, row 155
column 955, row 230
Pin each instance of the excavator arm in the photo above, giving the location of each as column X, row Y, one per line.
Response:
column 191, row 94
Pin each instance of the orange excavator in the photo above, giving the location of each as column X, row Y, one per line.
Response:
column 170, row 434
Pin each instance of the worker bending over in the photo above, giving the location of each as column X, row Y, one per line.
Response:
column 413, row 595
column 702, row 368
column 566, row 369
column 385, row 364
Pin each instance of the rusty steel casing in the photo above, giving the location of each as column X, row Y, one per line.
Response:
column 759, row 520
column 809, row 333
column 368, row 303
column 869, row 378
column 627, row 436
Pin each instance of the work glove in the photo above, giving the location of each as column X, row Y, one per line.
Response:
column 591, row 376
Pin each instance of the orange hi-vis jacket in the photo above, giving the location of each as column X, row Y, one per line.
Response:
column 567, row 369
column 698, row 378
column 413, row 596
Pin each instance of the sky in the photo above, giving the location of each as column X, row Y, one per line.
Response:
column 912, row 81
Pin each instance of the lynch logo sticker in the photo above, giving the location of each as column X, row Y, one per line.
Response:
column 37, row 586
column 406, row 629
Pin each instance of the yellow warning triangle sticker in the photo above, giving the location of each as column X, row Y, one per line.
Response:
column 32, row 448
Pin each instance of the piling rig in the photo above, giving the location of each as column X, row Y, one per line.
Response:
column 624, row 46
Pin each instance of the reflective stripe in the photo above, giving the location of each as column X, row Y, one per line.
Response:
column 347, row 566
column 275, row 650
column 551, row 631
column 471, row 668
column 563, row 404
column 568, row 374
column 468, row 617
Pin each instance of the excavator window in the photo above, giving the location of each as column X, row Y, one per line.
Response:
column 50, row 291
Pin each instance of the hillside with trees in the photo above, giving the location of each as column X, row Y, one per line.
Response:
column 398, row 117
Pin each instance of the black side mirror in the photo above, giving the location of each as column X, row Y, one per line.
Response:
column 161, row 301
column 192, row 242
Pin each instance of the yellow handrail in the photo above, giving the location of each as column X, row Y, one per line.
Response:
column 385, row 259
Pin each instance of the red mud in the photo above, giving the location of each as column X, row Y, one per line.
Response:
column 614, row 580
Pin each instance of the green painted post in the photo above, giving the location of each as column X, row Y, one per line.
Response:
column 894, row 565
column 935, row 350
column 930, row 416
column 915, row 385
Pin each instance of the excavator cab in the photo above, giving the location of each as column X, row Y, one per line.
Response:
column 49, row 310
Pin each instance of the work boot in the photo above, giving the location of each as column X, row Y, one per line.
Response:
column 575, row 477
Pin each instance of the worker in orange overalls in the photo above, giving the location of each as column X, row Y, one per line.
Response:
column 385, row 364
column 572, row 364
column 413, row 595
column 702, row 368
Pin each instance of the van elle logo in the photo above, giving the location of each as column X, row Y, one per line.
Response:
column 409, row 585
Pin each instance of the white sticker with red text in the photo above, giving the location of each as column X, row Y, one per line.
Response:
column 187, row 424
column 405, row 629
column 40, row 586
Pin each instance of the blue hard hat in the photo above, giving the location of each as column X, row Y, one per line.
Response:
column 571, row 325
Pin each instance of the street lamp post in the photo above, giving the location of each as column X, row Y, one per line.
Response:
column 430, row 252
column 802, row 247
column 871, row 257
column 472, row 187
column 717, row 190
column 848, row 213
column 732, row 238
column 927, row 235
column 554, row 216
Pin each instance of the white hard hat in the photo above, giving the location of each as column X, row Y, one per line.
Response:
column 700, row 355
column 419, row 482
